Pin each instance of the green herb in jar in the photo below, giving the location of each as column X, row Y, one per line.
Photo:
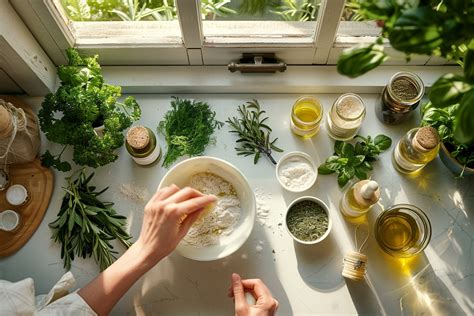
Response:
column 307, row 220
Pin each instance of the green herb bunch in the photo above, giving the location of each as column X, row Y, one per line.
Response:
column 444, row 120
column 435, row 28
column 188, row 128
column 82, row 102
column 85, row 225
column 351, row 161
column 253, row 132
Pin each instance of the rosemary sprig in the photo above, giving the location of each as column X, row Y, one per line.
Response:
column 254, row 134
column 85, row 225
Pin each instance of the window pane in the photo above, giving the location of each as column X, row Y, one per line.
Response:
column 120, row 10
column 352, row 23
column 111, row 22
column 259, row 21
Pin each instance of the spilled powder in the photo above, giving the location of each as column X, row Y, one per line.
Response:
column 134, row 192
column 262, row 199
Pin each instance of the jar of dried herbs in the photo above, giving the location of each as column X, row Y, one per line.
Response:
column 141, row 144
column 400, row 97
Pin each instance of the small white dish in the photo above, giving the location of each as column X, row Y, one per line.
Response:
column 295, row 155
column 325, row 208
column 17, row 195
column 9, row 220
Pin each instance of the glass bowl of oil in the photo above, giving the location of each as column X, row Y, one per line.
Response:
column 306, row 116
column 403, row 230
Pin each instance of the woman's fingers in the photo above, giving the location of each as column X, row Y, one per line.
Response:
column 192, row 205
column 239, row 295
column 182, row 195
column 165, row 193
column 188, row 222
column 257, row 286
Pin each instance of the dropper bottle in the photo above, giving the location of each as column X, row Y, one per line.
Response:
column 359, row 198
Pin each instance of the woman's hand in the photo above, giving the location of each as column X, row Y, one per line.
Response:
column 265, row 304
column 168, row 216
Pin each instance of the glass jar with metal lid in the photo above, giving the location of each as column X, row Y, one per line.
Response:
column 345, row 117
column 403, row 230
column 400, row 97
column 141, row 144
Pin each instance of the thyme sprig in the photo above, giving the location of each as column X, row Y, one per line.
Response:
column 253, row 132
column 85, row 225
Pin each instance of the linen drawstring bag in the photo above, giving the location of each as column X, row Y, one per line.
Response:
column 19, row 134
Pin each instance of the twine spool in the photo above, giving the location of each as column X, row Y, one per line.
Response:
column 355, row 262
column 14, row 121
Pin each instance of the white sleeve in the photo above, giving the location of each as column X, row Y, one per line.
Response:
column 72, row 304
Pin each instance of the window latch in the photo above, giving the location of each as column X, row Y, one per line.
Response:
column 257, row 63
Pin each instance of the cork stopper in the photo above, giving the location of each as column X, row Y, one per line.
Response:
column 138, row 137
column 6, row 124
column 426, row 138
column 366, row 192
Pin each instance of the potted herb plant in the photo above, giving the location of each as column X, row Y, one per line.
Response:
column 85, row 113
column 427, row 28
column 458, row 157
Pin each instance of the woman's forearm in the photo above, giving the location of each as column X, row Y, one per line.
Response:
column 106, row 290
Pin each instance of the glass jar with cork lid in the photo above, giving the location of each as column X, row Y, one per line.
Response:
column 416, row 149
column 345, row 117
column 141, row 144
column 400, row 97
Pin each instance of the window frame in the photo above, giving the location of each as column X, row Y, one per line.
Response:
column 48, row 23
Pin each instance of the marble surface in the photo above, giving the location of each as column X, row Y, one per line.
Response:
column 305, row 279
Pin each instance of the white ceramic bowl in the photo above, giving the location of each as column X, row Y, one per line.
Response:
column 9, row 220
column 301, row 155
column 180, row 175
column 326, row 209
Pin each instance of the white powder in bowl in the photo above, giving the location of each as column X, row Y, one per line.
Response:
column 221, row 220
column 296, row 173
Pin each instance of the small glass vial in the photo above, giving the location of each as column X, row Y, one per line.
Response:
column 400, row 97
column 306, row 116
column 9, row 221
column 142, row 146
column 17, row 195
column 416, row 149
column 359, row 198
column 345, row 117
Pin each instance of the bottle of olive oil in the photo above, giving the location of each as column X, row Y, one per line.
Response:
column 141, row 144
column 359, row 198
column 416, row 149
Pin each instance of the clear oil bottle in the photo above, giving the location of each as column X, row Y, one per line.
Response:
column 359, row 198
column 416, row 149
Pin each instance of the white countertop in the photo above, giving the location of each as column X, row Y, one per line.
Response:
column 305, row 279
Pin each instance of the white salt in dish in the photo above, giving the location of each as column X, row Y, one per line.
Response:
column 9, row 220
column 17, row 195
column 296, row 171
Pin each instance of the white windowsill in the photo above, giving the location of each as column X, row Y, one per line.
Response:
column 296, row 79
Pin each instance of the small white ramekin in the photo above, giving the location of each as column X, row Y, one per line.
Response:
column 17, row 195
column 9, row 220
column 304, row 156
column 326, row 209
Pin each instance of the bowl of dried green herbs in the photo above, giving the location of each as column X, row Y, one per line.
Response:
column 308, row 220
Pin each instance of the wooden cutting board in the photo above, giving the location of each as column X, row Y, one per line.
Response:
column 39, row 181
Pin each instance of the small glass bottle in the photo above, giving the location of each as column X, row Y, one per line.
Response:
column 400, row 97
column 142, row 146
column 345, row 117
column 359, row 198
column 416, row 149
column 306, row 116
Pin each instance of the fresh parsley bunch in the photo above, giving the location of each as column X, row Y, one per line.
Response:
column 82, row 102
column 351, row 161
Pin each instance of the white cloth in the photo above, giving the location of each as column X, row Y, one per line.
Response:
column 18, row 299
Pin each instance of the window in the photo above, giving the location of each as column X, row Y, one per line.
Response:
column 199, row 32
